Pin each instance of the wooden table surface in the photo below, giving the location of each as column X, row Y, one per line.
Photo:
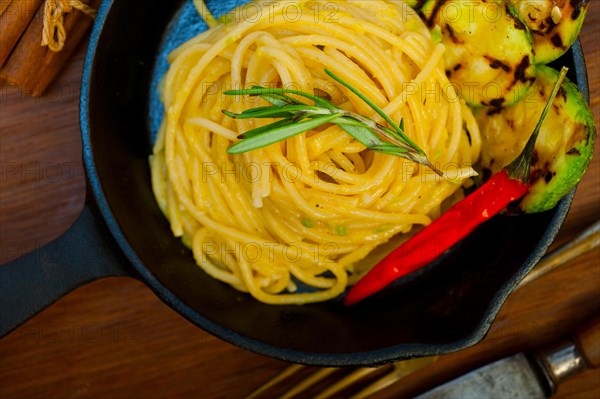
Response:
column 114, row 339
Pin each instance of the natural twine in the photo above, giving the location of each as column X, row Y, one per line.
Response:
column 54, row 34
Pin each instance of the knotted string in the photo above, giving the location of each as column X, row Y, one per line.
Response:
column 54, row 34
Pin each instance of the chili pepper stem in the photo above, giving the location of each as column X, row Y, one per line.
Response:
column 519, row 168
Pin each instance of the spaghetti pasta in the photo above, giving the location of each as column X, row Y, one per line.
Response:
column 294, row 221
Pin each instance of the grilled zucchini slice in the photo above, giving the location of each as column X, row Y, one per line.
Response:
column 489, row 51
column 564, row 146
column 555, row 25
column 415, row 4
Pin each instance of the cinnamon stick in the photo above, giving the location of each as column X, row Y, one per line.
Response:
column 32, row 66
column 4, row 5
column 15, row 15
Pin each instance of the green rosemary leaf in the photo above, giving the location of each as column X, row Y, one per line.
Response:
column 258, row 110
column 298, row 117
column 279, row 134
column 280, row 94
column 382, row 131
column 319, row 101
column 272, row 112
column 280, row 100
column 389, row 149
column 266, row 128
column 263, row 92
column 395, row 137
column 359, row 131
column 365, row 136
column 286, row 111
column 308, row 109
column 229, row 113
column 376, row 109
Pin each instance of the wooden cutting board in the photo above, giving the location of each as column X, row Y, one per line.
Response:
column 115, row 339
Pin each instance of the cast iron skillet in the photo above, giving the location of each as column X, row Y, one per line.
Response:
column 121, row 231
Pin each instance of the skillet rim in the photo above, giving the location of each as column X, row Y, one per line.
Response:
column 365, row 358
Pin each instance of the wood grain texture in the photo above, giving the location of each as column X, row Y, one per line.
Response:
column 14, row 18
column 114, row 338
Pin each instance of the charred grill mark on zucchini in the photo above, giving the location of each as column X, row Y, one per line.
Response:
column 495, row 64
column 496, row 102
column 489, row 51
column 557, row 41
column 456, row 68
column 451, row 34
column 517, row 22
column 430, row 21
column 563, row 149
column 521, row 74
column 555, row 24
column 419, row 4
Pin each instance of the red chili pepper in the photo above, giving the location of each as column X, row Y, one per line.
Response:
column 456, row 223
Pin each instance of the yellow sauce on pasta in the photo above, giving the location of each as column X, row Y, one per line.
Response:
column 308, row 209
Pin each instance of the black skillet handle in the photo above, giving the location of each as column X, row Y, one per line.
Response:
column 86, row 252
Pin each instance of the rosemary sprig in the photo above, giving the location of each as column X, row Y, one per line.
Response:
column 298, row 117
